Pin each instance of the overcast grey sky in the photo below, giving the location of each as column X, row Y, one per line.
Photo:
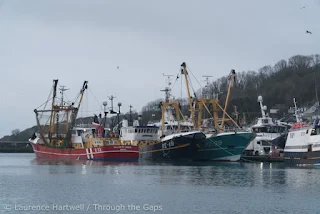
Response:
column 76, row 40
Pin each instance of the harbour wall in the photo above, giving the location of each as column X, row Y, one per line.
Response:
column 15, row 147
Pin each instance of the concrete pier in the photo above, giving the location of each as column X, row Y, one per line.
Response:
column 15, row 147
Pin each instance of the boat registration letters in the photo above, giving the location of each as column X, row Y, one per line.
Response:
column 168, row 144
column 97, row 150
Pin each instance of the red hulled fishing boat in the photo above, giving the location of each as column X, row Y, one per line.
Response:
column 60, row 138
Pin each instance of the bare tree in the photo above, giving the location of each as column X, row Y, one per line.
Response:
column 316, row 60
column 300, row 62
column 282, row 64
column 15, row 132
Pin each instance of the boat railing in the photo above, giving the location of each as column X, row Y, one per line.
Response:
column 300, row 126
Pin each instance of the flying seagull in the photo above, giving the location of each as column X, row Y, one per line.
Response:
column 117, row 67
column 303, row 7
column 308, row 32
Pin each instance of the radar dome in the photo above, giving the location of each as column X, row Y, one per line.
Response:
column 260, row 99
column 124, row 123
column 136, row 123
column 264, row 108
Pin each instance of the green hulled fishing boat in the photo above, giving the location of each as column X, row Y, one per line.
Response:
column 219, row 144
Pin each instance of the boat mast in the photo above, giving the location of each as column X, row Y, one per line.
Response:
column 130, row 115
column 184, row 71
column 296, row 111
column 62, row 90
column 74, row 114
column 51, row 127
column 167, row 103
column 260, row 99
column 231, row 79
column 167, row 91
column 84, row 87
column 207, row 84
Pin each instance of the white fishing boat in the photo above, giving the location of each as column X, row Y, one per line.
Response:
column 267, row 131
column 303, row 142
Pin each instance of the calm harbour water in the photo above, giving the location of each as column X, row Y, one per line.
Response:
column 31, row 186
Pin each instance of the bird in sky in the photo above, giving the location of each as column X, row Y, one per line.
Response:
column 308, row 32
column 117, row 67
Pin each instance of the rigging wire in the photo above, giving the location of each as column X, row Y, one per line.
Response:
column 48, row 99
column 194, row 93
column 178, row 76
column 181, row 88
column 96, row 100
column 194, row 76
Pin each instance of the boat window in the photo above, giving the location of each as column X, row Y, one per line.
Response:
column 260, row 130
column 265, row 121
column 135, row 130
column 79, row 132
column 310, row 148
column 307, row 131
column 265, row 143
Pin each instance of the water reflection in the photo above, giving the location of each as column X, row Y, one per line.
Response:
column 79, row 162
column 273, row 176
column 83, row 167
column 266, row 175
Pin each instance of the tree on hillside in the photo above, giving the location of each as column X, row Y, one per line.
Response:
column 15, row 132
column 279, row 84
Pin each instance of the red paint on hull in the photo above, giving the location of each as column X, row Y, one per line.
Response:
column 97, row 153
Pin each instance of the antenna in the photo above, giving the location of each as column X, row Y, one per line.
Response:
column 207, row 79
column 62, row 90
column 130, row 114
column 204, row 93
column 169, row 78
column 296, row 110
column 263, row 108
column 167, row 89
column 111, row 98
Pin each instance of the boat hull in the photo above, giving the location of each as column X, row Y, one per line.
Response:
column 224, row 147
column 111, row 152
column 177, row 148
column 303, row 146
column 302, row 158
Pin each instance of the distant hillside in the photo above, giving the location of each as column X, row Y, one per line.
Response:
column 297, row 77
column 20, row 136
